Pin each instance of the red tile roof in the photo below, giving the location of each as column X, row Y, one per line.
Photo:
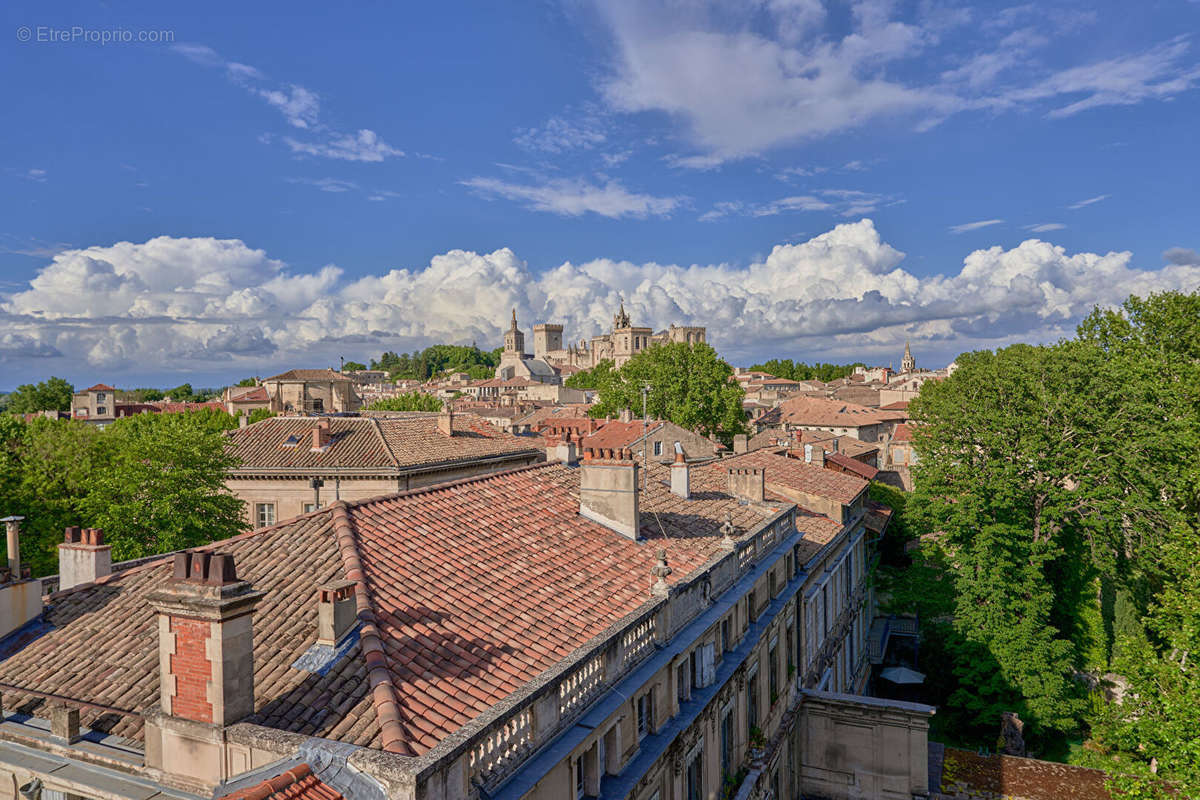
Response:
column 903, row 433
column 616, row 434
column 100, row 387
column 865, row 471
column 826, row 413
column 252, row 394
column 297, row 783
column 467, row 591
column 795, row 474
column 899, row 405
column 387, row 444
column 308, row 375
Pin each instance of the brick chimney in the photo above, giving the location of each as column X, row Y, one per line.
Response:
column 747, row 483
column 445, row 422
column 680, row 477
column 83, row 557
column 20, row 597
column 337, row 612
column 205, row 640
column 320, row 435
column 814, row 454
column 608, row 490
column 741, row 444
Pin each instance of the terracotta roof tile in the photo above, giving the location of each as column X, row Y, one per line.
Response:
column 387, row 444
column 297, row 783
column 796, row 474
column 825, row 412
column 308, row 375
column 468, row 590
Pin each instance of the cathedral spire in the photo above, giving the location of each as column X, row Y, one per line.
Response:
column 908, row 363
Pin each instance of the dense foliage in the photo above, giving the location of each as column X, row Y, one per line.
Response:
column 1058, row 488
column 594, row 378
column 409, row 401
column 152, row 482
column 423, row 364
column 52, row 394
column 689, row 385
column 799, row 371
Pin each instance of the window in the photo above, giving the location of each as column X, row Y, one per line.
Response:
column 695, row 777
column 318, row 404
column 312, row 507
column 681, row 682
column 645, row 714
column 726, row 639
column 264, row 514
column 727, row 743
column 752, row 605
column 658, row 448
column 101, row 410
column 751, row 704
column 100, row 396
column 580, row 781
column 773, row 672
column 771, row 584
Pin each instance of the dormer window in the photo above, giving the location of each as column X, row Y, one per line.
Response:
column 292, row 441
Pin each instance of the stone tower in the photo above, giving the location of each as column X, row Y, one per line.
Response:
column 514, row 340
column 907, row 364
column 547, row 338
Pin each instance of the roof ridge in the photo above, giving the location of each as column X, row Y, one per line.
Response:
column 379, row 674
column 387, row 448
column 434, row 487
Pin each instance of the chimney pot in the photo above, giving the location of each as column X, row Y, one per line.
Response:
column 83, row 557
column 445, row 422
column 337, row 612
column 680, row 475
column 12, row 526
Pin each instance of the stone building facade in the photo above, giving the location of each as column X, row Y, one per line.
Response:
column 556, row 632
column 622, row 343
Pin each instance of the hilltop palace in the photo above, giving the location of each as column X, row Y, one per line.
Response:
column 550, row 357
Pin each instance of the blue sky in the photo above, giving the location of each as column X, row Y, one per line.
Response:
column 811, row 180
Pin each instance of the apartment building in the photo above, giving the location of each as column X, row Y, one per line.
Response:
column 566, row 630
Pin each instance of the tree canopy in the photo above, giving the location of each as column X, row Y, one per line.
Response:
column 424, row 364
column 689, row 385
column 409, row 401
column 52, row 394
column 152, row 482
column 799, row 371
column 1058, row 487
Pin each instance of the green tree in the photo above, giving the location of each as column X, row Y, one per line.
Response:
column 409, row 401
column 181, row 394
column 52, row 394
column 259, row 414
column 689, row 385
column 247, row 382
column 601, row 375
column 163, row 486
column 799, row 371
column 353, row 366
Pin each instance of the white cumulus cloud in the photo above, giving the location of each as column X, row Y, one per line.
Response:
column 179, row 304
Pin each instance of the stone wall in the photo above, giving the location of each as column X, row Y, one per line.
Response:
column 970, row 775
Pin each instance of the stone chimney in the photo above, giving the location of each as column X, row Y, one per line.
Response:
column 83, row 557
column 445, row 422
column 680, row 477
column 243, row 420
column 814, row 454
column 747, row 483
column 626, row 415
column 205, row 640
column 320, row 435
column 20, row 597
column 741, row 444
column 608, row 490
column 337, row 612
column 12, row 527
column 565, row 451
